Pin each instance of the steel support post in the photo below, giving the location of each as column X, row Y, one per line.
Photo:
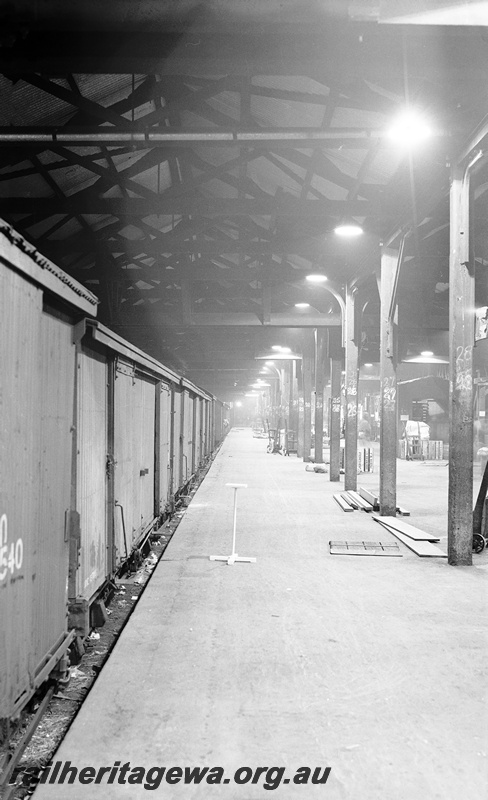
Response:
column 293, row 400
column 300, row 409
column 320, row 352
column 308, row 350
column 461, row 340
column 388, row 385
column 351, row 415
column 335, row 353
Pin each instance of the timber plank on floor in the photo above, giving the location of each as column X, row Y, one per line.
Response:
column 407, row 530
column 343, row 504
column 360, row 501
column 421, row 548
column 350, row 500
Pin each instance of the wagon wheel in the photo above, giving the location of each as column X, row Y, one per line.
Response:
column 478, row 543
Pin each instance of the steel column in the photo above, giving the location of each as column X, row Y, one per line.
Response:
column 335, row 352
column 461, row 340
column 320, row 351
column 307, row 365
column 388, row 385
column 351, row 416
column 300, row 409
column 292, row 404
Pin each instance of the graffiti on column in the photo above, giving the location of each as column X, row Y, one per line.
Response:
column 464, row 363
column 389, row 393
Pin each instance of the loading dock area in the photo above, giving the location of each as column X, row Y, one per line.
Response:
column 374, row 667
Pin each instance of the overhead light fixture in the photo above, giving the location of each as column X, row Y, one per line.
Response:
column 316, row 278
column 269, row 363
column 368, row 365
column 426, row 357
column 276, row 347
column 409, row 128
column 348, row 230
column 283, row 356
column 302, row 305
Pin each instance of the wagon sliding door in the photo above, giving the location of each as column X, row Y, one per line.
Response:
column 163, row 443
column 20, row 310
column 134, row 455
column 56, row 404
column 94, row 564
column 187, row 436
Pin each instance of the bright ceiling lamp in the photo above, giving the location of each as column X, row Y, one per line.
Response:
column 348, row 230
column 409, row 128
column 316, row 278
column 426, row 357
column 284, row 355
column 302, row 305
column 279, row 349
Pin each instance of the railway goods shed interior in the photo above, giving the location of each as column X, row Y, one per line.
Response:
column 229, row 214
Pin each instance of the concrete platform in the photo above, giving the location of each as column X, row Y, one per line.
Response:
column 375, row 667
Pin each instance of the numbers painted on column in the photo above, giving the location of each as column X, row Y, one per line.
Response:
column 389, row 393
column 352, row 410
column 11, row 555
column 464, row 363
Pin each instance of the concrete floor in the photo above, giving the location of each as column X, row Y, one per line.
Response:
column 375, row 667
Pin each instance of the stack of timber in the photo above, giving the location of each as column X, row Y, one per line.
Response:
column 412, row 537
column 375, row 501
column 342, row 503
column 352, row 501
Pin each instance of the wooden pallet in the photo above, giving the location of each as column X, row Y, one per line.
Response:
column 394, row 524
column 365, row 549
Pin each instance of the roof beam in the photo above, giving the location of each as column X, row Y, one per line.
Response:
column 75, row 99
column 243, row 319
column 91, row 203
column 304, row 48
column 141, row 136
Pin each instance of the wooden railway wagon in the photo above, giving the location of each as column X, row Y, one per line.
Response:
column 98, row 439
column 136, row 451
column 40, row 308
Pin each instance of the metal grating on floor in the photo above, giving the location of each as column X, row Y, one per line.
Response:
column 365, row 549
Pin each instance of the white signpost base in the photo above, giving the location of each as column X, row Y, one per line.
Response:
column 233, row 556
